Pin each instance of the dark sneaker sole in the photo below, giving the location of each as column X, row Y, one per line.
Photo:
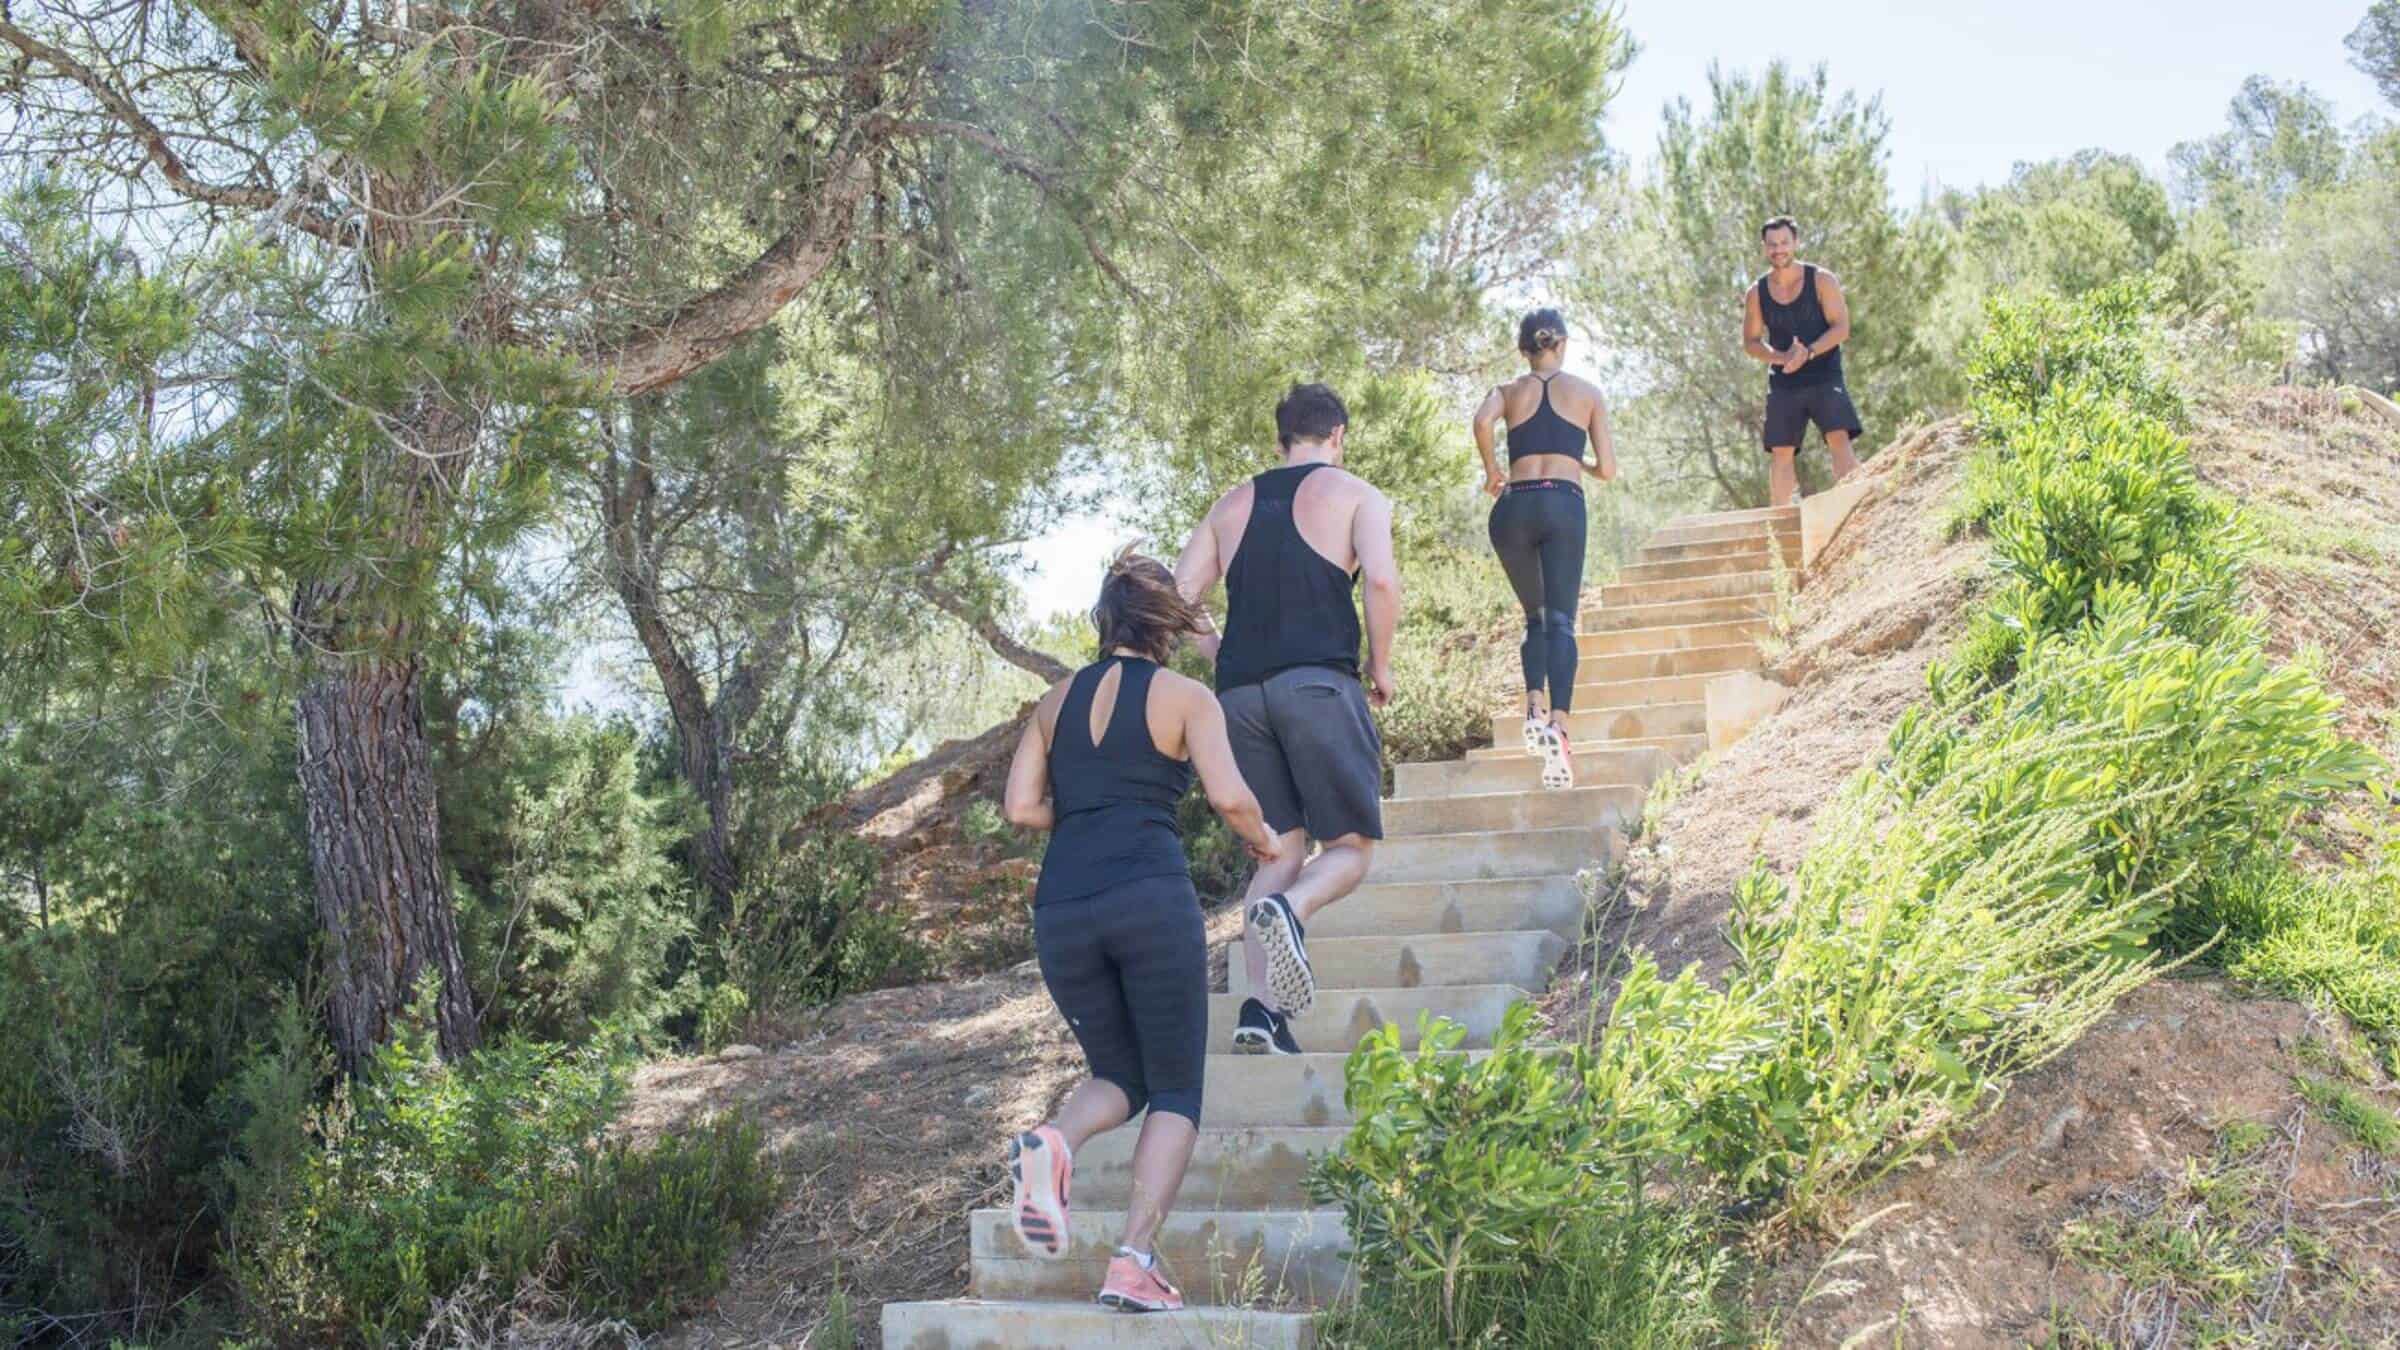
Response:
column 1127, row 1304
column 1289, row 977
column 1034, row 1227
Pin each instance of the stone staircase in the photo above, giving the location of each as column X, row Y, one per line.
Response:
column 1471, row 903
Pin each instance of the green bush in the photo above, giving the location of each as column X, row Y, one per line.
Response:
column 422, row 1181
column 1490, row 1204
column 2331, row 937
column 804, row 928
column 2031, row 344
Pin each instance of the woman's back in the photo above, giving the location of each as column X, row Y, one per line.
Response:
column 1545, row 418
column 1115, row 791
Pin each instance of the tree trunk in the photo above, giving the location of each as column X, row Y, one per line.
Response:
column 366, row 774
column 382, row 889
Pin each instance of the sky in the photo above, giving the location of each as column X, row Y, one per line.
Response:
column 1971, row 89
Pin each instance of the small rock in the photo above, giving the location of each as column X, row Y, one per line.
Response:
column 740, row 1052
column 978, row 1096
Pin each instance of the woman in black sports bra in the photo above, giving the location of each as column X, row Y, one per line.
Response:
column 1537, row 524
column 1104, row 760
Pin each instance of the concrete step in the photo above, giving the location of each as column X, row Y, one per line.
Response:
column 1394, row 910
column 1614, row 724
column 1341, row 1018
column 1782, row 517
column 1454, row 777
column 1523, row 959
column 1488, row 855
column 999, row 1324
column 1592, row 694
column 1758, row 547
column 1253, row 1091
column 1723, row 564
column 1678, row 749
column 1723, row 609
column 1526, row 809
column 1670, row 637
column 1675, row 536
column 1626, row 664
column 1252, row 1167
column 1214, row 1256
column 1622, row 593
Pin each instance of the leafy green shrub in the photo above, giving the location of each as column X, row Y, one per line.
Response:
column 645, row 1229
column 804, row 929
column 423, row 1180
column 2331, row 937
column 2198, row 756
column 1456, row 601
column 2032, row 344
column 1489, row 1204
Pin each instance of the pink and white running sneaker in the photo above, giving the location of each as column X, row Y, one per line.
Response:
column 1134, row 1287
column 1041, row 1165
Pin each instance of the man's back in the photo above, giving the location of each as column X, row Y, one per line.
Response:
column 1324, row 510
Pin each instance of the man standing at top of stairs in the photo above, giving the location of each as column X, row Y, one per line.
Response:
column 1796, row 320
column 1292, row 545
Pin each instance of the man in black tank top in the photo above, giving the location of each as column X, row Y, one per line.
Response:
column 1796, row 320
column 1291, row 546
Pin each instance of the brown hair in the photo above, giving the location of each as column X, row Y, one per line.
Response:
column 1780, row 223
column 1541, row 331
column 1140, row 609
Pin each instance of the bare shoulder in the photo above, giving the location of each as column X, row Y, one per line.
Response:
column 1825, row 278
column 1047, row 710
column 1183, row 692
column 1357, row 489
column 1579, row 385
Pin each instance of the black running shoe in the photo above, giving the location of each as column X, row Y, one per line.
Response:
column 1263, row 1031
column 1290, row 978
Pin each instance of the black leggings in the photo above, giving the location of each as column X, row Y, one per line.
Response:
column 1128, row 967
column 1538, row 531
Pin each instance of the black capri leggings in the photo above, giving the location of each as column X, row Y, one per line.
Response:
column 1128, row 968
column 1538, row 531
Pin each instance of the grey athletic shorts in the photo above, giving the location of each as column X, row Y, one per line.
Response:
column 1308, row 747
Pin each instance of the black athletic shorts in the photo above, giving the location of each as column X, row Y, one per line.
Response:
column 1789, row 411
column 1128, row 969
column 1307, row 746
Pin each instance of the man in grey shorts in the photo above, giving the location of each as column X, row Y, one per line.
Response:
column 1291, row 545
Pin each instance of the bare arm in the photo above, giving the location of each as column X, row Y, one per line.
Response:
column 1754, row 331
column 1604, row 446
column 1371, row 535
column 1026, row 801
column 1220, row 777
column 1837, row 313
column 1488, row 415
column 1199, row 569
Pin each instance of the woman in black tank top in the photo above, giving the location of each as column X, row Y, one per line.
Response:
column 1538, row 529
column 1103, row 762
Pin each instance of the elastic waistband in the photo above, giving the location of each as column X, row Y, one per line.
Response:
column 1547, row 485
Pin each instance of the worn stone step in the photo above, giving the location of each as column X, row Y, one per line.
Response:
column 1382, row 909
column 1615, row 724
column 1215, row 1256
column 1675, row 536
column 1625, row 664
column 1678, row 749
column 1487, row 855
column 1530, row 809
column 1524, row 959
column 1247, row 1167
column 1672, row 636
column 1249, row 1091
column 1620, row 594
column 1747, row 560
column 1005, row 1324
column 1340, row 1018
column 1590, row 694
column 1593, row 768
column 1759, row 547
column 1721, row 609
column 1783, row 517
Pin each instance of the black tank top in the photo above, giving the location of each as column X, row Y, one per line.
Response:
column 1804, row 319
column 1115, row 801
column 1285, row 605
column 1545, row 433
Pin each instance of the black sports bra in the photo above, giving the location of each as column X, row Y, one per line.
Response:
column 1545, row 433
